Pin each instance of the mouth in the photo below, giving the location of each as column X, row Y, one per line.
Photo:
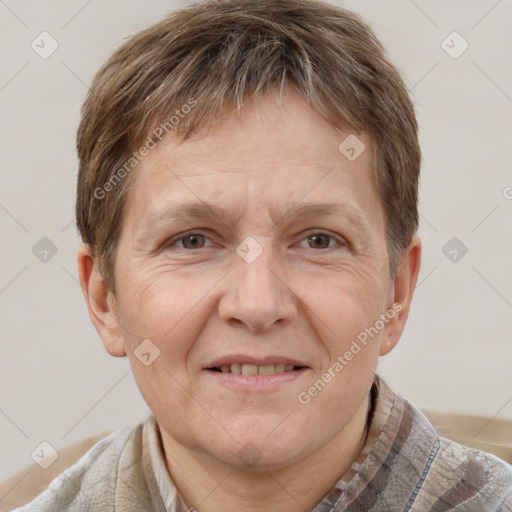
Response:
column 253, row 369
column 250, row 374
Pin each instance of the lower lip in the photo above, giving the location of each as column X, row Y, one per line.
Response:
column 256, row 382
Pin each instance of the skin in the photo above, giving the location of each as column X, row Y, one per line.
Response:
column 303, row 297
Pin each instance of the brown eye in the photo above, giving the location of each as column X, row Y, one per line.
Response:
column 193, row 241
column 319, row 241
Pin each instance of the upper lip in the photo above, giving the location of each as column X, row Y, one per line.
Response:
column 258, row 361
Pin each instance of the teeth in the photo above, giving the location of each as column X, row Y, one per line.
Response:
column 236, row 368
column 252, row 369
column 266, row 370
column 249, row 369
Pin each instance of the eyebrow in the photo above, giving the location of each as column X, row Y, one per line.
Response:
column 202, row 210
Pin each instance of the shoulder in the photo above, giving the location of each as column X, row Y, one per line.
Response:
column 432, row 471
column 90, row 483
column 460, row 477
column 474, row 479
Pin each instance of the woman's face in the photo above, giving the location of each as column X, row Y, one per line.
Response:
column 251, row 259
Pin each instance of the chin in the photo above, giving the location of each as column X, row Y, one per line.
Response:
column 256, row 458
column 262, row 451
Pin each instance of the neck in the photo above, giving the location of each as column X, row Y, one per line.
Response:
column 208, row 485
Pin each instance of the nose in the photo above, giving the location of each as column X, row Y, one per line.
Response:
column 258, row 296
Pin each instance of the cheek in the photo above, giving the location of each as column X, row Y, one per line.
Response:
column 163, row 305
column 171, row 311
column 343, row 306
column 352, row 353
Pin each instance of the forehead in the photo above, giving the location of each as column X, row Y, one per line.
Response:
column 270, row 158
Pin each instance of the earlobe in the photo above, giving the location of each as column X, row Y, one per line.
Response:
column 403, row 288
column 100, row 303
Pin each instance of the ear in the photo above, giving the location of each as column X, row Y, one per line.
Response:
column 403, row 290
column 101, row 303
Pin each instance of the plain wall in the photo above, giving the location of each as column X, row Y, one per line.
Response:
column 57, row 382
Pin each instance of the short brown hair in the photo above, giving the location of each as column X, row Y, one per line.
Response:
column 218, row 53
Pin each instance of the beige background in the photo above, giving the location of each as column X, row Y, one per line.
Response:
column 57, row 382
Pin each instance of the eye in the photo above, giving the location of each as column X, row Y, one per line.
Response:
column 316, row 240
column 191, row 241
column 322, row 241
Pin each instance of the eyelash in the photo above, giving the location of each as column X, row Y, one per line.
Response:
column 341, row 242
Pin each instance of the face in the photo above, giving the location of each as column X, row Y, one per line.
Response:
column 253, row 258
